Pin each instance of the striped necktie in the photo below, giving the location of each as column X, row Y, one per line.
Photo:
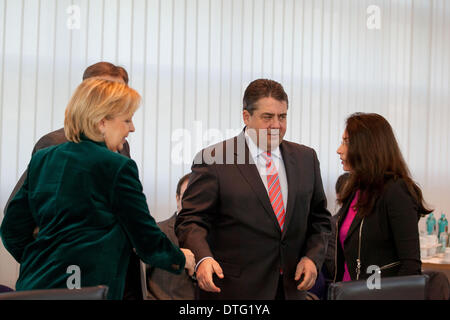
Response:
column 274, row 187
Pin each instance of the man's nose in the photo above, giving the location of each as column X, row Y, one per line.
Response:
column 275, row 123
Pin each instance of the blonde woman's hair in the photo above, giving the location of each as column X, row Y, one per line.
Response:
column 94, row 100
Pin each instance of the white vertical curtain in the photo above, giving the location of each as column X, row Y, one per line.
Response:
column 192, row 59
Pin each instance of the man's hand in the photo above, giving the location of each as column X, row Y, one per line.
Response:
column 205, row 272
column 308, row 268
column 190, row 261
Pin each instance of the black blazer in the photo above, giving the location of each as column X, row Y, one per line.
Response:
column 227, row 215
column 389, row 237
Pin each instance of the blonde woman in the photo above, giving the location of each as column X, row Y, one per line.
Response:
column 87, row 201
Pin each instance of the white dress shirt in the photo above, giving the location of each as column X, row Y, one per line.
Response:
column 260, row 163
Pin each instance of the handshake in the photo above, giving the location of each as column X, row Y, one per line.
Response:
column 190, row 261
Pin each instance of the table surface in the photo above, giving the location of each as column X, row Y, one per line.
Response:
column 437, row 263
column 437, row 259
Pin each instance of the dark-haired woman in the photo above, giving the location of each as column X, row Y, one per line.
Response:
column 377, row 224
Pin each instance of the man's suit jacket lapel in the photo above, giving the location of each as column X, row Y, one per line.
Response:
column 251, row 174
column 170, row 232
column 125, row 150
column 294, row 174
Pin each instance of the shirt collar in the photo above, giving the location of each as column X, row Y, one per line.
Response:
column 257, row 151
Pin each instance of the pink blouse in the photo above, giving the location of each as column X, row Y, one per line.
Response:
column 344, row 230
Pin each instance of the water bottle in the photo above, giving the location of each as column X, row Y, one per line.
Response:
column 443, row 223
column 431, row 224
column 443, row 235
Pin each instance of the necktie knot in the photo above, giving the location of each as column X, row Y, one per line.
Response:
column 268, row 157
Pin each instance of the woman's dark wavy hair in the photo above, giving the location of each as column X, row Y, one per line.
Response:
column 375, row 158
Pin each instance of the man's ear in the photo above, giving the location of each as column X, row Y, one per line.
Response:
column 246, row 116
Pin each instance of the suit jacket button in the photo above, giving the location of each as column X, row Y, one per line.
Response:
column 176, row 267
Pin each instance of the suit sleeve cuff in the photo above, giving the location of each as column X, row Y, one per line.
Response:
column 198, row 263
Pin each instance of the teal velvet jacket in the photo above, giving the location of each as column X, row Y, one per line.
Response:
column 88, row 204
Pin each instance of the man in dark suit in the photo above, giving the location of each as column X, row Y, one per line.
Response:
column 107, row 71
column 161, row 284
column 254, row 212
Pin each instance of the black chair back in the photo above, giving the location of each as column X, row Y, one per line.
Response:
column 88, row 293
column 438, row 287
column 391, row 288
